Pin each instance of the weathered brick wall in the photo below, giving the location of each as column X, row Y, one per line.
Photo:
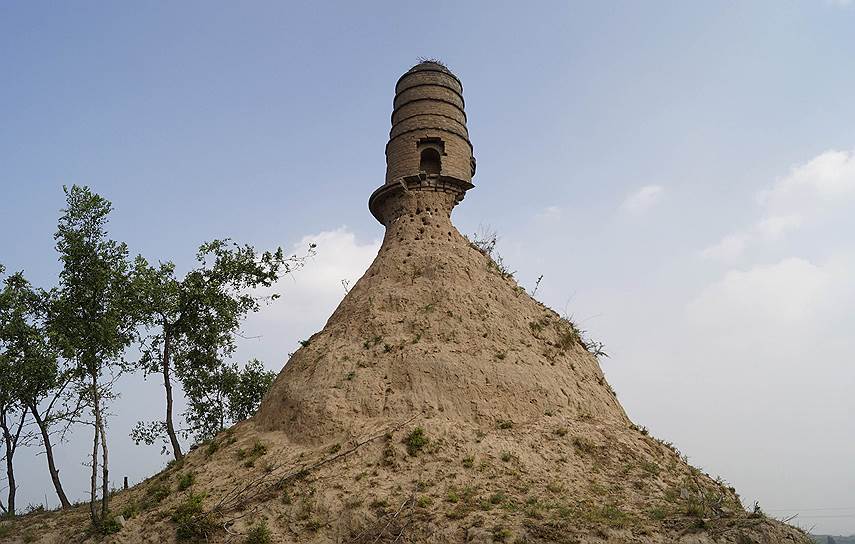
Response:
column 428, row 72
column 429, row 91
column 402, row 156
column 428, row 104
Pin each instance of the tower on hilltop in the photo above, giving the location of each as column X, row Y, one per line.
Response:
column 429, row 148
column 439, row 403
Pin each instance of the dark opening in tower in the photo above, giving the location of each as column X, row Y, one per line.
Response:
column 430, row 162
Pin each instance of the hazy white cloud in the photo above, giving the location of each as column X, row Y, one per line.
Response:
column 769, row 228
column 308, row 296
column 775, row 226
column 816, row 187
column 643, row 199
column 728, row 248
column 774, row 318
column 825, row 180
column 782, row 293
column 550, row 213
column 339, row 256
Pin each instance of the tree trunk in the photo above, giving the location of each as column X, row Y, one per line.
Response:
column 10, row 469
column 167, row 384
column 93, row 481
column 54, row 473
column 105, row 482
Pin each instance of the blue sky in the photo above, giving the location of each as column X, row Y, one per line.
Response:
column 682, row 174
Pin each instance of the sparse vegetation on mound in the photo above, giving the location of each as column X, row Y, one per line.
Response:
column 495, row 425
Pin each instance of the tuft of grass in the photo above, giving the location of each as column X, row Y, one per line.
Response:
column 155, row 494
column 192, row 522
column 695, row 508
column 569, row 335
column 251, row 456
column 131, row 509
column 415, row 441
column 371, row 342
column 174, row 464
column 258, row 449
column 533, row 508
column 650, row 468
column 567, row 339
column 34, row 508
column 583, row 445
column 658, row 513
column 468, row 461
column 500, row 534
column 555, row 487
column 504, row 424
column 507, row 456
column 598, row 489
column 186, row 480
column 485, row 243
column 379, row 503
column 259, row 534
column 609, row 515
column 109, row 525
column 640, row 428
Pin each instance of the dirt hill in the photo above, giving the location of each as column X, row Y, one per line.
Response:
column 440, row 403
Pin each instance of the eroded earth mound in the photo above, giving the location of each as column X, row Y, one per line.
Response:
column 440, row 403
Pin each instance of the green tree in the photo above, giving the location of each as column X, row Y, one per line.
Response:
column 12, row 413
column 221, row 394
column 12, row 418
column 30, row 363
column 249, row 386
column 93, row 319
column 192, row 323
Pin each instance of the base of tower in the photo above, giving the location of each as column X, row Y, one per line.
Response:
column 380, row 198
